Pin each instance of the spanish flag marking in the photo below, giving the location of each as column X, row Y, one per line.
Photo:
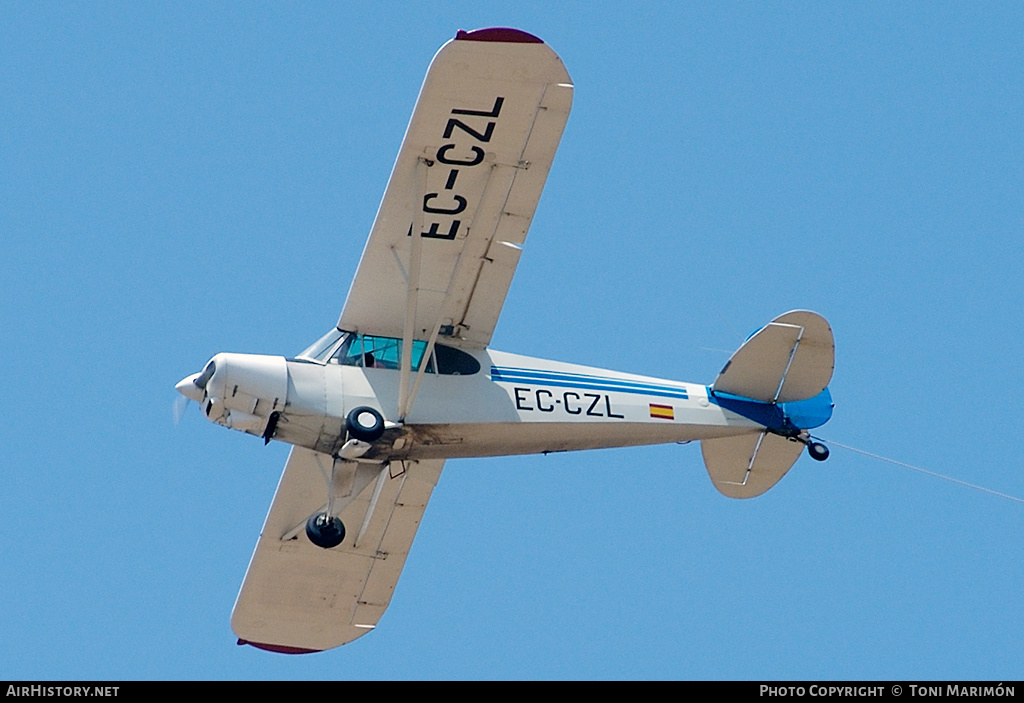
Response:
column 665, row 412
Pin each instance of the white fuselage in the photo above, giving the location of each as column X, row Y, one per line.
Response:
column 513, row 405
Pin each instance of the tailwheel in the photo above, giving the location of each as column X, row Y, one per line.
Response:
column 817, row 450
column 323, row 531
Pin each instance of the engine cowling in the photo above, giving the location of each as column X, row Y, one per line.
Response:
column 241, row 391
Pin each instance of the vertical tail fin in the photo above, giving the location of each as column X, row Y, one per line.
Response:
column 787, row 361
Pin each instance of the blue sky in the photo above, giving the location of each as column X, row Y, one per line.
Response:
column 180, row 179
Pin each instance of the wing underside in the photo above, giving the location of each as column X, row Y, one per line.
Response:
column 467, row 179
column 297, row 597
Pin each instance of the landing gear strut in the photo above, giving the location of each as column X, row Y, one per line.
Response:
column 817, row 450
column 364, row 426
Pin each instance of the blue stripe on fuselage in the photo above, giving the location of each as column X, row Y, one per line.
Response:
column 572, row 380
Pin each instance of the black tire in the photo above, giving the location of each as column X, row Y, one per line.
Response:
column 364, row 423
column 818, row 451
column 323, row 532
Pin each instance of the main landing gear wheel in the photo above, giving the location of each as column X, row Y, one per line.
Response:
column 818, row 451
column 365, row 424
column 323, row 531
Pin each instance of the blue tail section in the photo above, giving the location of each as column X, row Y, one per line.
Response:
column 810, row 413
column 786, row 419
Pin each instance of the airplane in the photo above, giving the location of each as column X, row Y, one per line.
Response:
column 406, row 380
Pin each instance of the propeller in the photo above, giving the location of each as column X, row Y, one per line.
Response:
column 191, row 388
column 178, row 408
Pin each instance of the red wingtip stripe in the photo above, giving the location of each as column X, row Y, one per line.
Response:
column 278, row 648
column 502, row 34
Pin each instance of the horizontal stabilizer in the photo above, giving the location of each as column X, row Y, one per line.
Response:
column 789, row 359
column 747, row 466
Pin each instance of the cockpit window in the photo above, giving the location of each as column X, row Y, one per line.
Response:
column 378, row 353
column 372, row 352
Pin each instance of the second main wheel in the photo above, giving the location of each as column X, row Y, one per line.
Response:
column 324, row 531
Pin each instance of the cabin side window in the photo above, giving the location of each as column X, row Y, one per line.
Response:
column 455, row 362
column 373, row 352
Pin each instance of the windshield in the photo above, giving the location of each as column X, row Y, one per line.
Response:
column 321, row 348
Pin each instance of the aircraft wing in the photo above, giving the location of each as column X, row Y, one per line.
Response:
column 297, row 597
column 467, row 180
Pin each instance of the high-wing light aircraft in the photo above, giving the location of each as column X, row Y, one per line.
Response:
column 406, row 380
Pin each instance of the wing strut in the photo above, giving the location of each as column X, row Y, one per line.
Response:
column 373, row 504
column 405, row 395
column 459, row 264
column 412, row 293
